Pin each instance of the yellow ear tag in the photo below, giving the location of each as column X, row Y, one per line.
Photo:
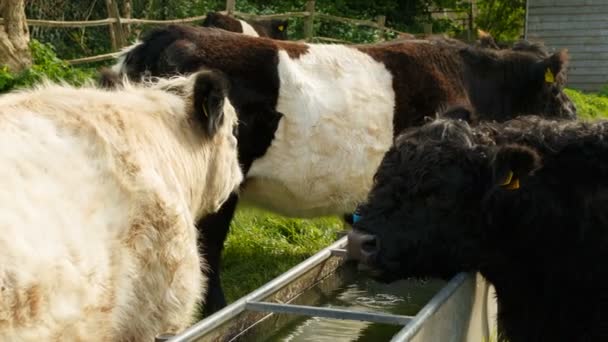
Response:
column 507, row 180
column 510, row 183
column 281, row 27
column 514, row 185
column 549, row 77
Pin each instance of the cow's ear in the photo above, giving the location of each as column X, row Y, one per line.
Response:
column 554, row 65
column 210, row 19
column 486, row 40
column 512, row 163
column 210, row 90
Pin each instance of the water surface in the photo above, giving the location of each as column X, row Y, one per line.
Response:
column 404, row 297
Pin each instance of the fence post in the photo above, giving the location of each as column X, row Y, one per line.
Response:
column 427, row 28
column 310, row 20
column 230, row 6
column 470, row 22
column 116, row 34
column 111, row 26
column 381, row 21
column 127, row 9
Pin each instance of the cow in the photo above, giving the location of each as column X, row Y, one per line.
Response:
column 100, row 193
column 523, row 202
column 315, row 120
column 270, row 28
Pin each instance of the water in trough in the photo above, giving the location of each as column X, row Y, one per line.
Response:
column 405, row 297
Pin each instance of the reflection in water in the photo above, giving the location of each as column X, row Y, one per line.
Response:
column 402, row 298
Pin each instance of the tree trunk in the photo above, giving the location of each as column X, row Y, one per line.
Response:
column 14, row 36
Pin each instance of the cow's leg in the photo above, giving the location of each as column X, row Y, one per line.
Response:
column 213, row 232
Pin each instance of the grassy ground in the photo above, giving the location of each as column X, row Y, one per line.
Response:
column 262, row 245
column 589, row 106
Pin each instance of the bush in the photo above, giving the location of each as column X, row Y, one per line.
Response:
column 45, row 64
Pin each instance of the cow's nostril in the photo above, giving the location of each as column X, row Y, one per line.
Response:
column 362, row 247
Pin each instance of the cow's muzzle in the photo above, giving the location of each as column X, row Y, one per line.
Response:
column 362, row 247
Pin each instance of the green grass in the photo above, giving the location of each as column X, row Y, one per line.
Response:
column 589, row 106
column 262, row 245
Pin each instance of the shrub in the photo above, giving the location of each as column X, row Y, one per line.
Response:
column 45, row 64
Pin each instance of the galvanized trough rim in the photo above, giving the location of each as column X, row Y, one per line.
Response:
column 207, row 325
column 412, row 328
column 334, row 313
column 255, row 300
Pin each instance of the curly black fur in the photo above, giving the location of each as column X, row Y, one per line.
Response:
column 438, row 207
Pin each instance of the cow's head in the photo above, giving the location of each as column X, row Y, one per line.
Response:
column 549, row 76
column 207, row 91
column 222, row 21
column 524, row 79
column 272, row 28
column 424, row 214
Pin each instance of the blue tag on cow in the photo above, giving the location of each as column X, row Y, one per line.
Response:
column 356, row 218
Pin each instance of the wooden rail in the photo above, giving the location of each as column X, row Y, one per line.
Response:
column 164, row 22
column 109, row 21
column 57, row 23
column 285, row 15
column 97, row 58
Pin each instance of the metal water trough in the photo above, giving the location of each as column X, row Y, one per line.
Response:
column 463, row 310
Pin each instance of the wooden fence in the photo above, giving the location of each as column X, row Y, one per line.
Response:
column 116, row 25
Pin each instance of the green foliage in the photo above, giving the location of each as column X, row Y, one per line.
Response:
column 70, row 42
column 262, row 245
column 45, row 64
column 589, row 106
column 504, row 19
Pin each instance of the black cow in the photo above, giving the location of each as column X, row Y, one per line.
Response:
column 315, row 120
column 524, row 202
column 271, row 28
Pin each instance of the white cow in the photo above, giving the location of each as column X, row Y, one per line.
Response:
column 99, row 193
